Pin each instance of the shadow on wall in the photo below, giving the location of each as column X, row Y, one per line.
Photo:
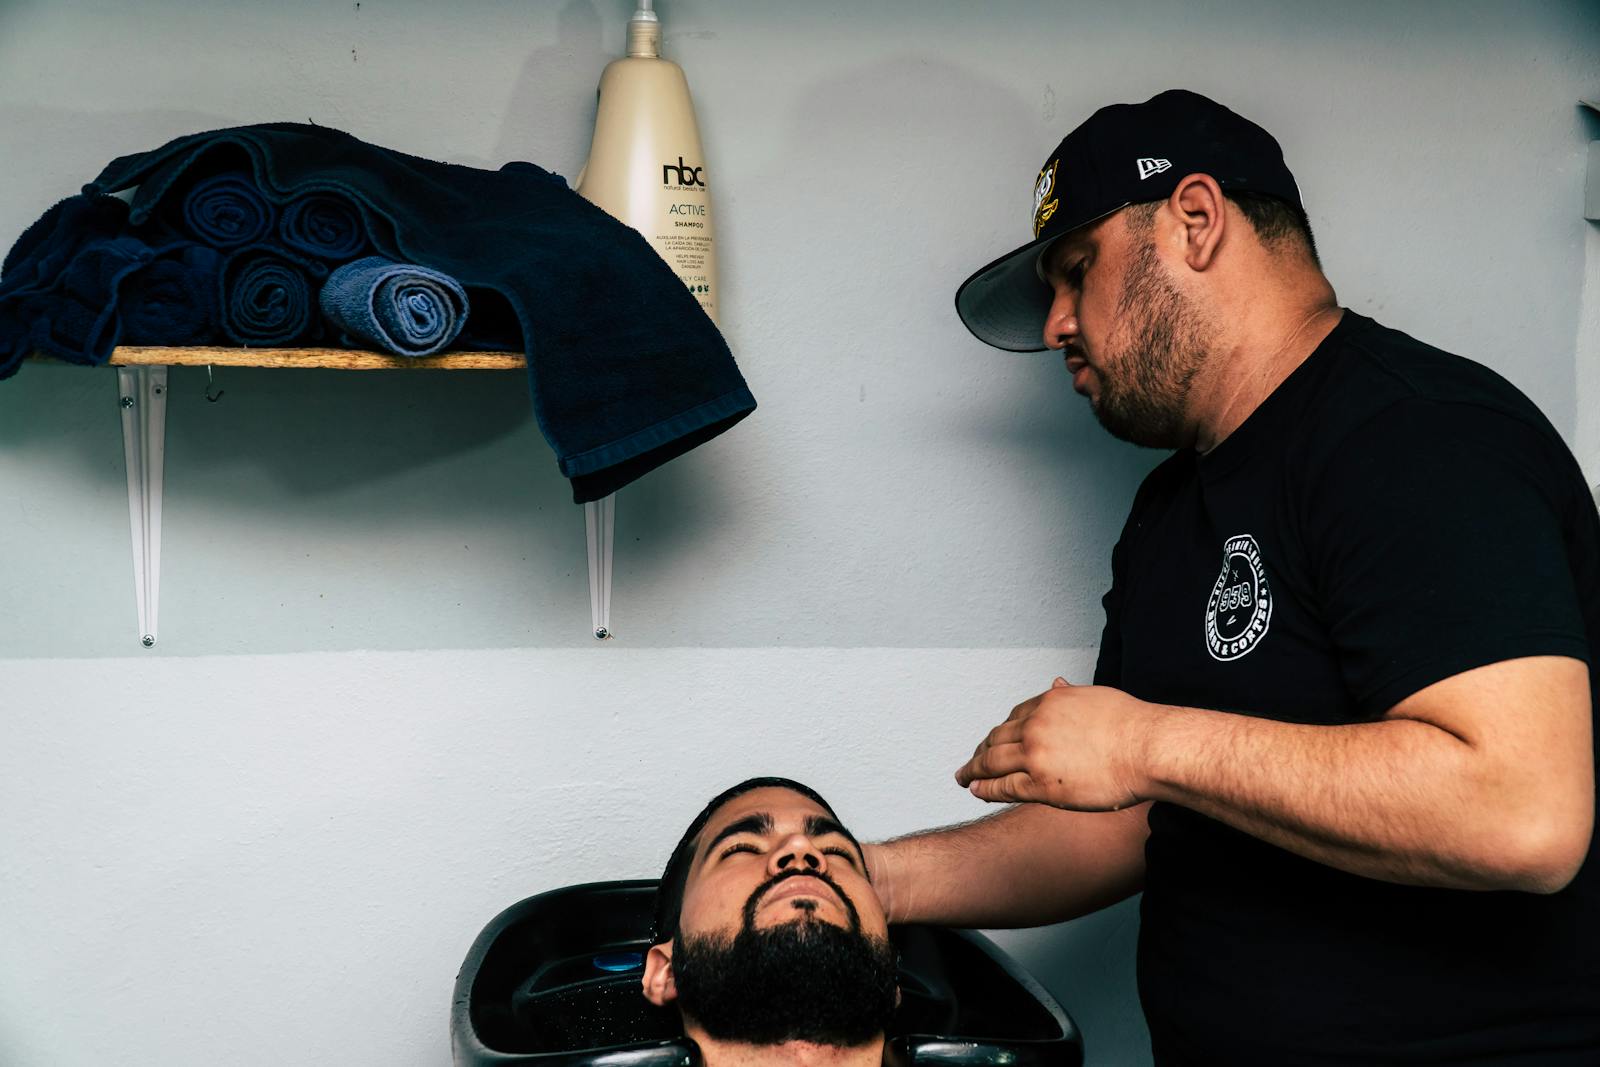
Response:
column 949, row 151
column 532, row 125
column 307, row 432
column 281, row 440
column 1088, row 966
column 914, row 170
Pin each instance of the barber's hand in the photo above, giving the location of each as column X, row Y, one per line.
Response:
column 1079, row 747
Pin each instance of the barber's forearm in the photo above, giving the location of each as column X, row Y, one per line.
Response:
column 1398, row 800
column 1026, row 866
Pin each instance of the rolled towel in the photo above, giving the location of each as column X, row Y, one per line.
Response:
column 327, row 227
column 173, row 301
column 227, row 211
column 405, row 308
column 267, row 296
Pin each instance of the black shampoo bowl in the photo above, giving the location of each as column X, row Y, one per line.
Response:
column 554, row 981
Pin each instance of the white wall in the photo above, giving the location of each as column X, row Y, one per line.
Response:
column 375, row 716
column 270, row 859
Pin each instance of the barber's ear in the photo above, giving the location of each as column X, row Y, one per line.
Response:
column 1200, row 208
column 659, row 987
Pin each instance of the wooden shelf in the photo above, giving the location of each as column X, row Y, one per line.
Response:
column 309, row 358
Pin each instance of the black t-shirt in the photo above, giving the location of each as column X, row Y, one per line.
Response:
column 1390, row 516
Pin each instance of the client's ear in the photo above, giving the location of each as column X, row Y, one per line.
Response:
column 659, row 987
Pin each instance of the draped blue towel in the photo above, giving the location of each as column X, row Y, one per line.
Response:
column 268, row 296
column 324, row 227
column 174, row 299
column 46, row 247
column 76, row 318
column 403, row 308
column 227, row 211
column 59, row 282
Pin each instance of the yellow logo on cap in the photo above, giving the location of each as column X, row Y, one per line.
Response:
column 1043, row 208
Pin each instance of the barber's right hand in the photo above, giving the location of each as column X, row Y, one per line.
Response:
column 1075, row 747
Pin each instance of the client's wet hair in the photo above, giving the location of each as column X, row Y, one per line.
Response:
column 669, row 897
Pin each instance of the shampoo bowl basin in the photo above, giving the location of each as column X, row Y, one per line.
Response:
column 554, row 981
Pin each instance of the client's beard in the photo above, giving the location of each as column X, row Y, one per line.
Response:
column 805, row 980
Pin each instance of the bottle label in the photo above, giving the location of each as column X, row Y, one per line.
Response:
column 682, row 239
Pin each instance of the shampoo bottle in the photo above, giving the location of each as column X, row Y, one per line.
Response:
column 646, row 167
column 647, row 170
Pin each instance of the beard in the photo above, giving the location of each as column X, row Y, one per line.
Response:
column 1144, row 397
column 802, row 980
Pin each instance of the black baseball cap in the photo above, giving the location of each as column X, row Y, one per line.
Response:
column 1122, row 154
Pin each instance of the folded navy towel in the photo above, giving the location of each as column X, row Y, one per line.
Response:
column 328, row 228
column 626, row 370
column 227, row 211
column 400, row 307
column 76, row 319
column 34, row 266
column 269, row 295
column 45, row 248
column 60, row 282
column 173, row 300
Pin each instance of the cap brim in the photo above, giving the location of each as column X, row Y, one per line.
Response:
column 1004, row 303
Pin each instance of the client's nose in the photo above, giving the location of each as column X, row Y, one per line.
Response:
column 797, row 849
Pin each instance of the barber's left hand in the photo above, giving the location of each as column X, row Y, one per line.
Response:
column 1080, row 747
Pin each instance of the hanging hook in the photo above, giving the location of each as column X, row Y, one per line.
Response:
column 209, row 383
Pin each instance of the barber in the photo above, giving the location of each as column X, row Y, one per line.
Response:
column 1341, row 726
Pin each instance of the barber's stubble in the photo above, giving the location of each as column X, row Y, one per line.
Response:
column 1145, row 380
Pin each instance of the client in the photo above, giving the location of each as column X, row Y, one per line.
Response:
column 769, row 936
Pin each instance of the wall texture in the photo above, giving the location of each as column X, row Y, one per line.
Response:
column 375, row 715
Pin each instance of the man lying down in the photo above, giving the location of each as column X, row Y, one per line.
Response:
column 769, row 937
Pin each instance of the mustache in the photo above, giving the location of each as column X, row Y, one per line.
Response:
column 798, row 872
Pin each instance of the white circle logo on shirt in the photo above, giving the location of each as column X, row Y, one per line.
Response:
column 1240, row 608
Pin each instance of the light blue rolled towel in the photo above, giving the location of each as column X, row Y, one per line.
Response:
column 403, row 308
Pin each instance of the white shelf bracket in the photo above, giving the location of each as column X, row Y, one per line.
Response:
column 599, row 521
column 142, row 397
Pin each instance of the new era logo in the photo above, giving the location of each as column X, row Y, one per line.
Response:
column 1147, row 167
